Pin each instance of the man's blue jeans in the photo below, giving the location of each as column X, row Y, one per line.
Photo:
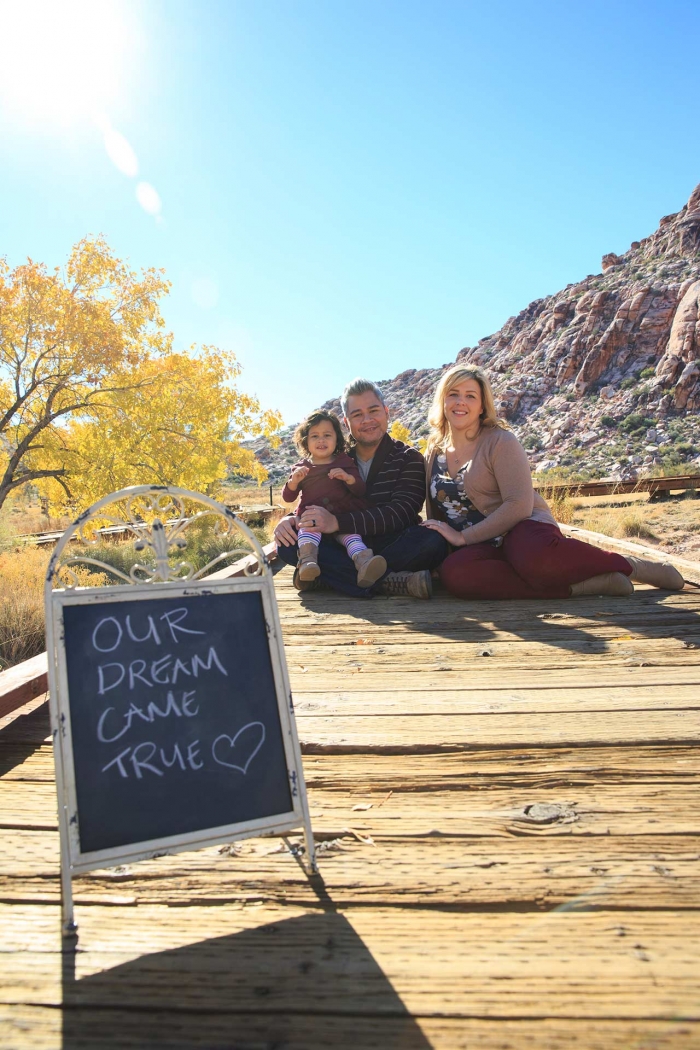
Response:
column 411, row 549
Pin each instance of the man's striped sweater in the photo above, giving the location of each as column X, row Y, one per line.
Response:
column 395, row 491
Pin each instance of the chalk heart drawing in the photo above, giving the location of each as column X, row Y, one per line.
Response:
column 243, row 747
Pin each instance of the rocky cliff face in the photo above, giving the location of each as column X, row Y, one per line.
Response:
column 603, row 377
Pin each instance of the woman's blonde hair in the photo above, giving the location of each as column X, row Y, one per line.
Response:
column 440, row 428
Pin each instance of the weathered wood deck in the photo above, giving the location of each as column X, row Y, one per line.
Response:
column 505, row 797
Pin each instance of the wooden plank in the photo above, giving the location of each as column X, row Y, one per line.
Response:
column 454, row 655
column 405, row 609
column 524, row 872
column 326, row 636
column 670, row 483
column 630, row 809
column 381, row 773
column 22, row 683
column 493, row 675
column 370, row 960
column 427, row 733
column 511, row 701
column 373, row 734
column 43, row 1028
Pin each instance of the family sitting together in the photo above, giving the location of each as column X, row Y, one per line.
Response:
column 357, row 526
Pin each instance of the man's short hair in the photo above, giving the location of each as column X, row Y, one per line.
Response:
column 356, row 387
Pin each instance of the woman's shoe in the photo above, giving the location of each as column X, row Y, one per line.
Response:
column 370, row 567
column 308, row 566
column 615, row 584
column 656, row 573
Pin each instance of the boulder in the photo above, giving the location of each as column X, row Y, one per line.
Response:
column 610, row 260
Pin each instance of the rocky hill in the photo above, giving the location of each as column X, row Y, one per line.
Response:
column 602, row 378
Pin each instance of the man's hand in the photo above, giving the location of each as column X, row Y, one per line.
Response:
column 319, row 519
column 297, row 476
column 453, row 536
column 286, row 531
column 338, row 474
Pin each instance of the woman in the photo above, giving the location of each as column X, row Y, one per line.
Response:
column 480, row 498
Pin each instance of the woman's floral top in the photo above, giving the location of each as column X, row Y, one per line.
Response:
column 449, row 493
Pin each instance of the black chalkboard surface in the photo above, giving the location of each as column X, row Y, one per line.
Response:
column 174, row 715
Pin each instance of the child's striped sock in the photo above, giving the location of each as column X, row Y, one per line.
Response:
column 305, row 536
column 353, row 543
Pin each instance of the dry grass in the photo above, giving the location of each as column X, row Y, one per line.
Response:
column 673, row 525
column 622, row 522
column 22, row 604
column 562, row 507
column 22, row 573
column 251, row 495
column 25, row 518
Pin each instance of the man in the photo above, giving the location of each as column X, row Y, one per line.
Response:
column 394, row 475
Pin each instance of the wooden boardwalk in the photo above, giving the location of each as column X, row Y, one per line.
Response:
column 506, row 801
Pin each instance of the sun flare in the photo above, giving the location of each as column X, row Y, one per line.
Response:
column 60, row 60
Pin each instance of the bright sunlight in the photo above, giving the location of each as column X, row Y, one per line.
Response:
column 61, row 60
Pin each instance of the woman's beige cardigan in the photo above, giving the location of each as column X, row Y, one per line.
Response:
column 497, row 480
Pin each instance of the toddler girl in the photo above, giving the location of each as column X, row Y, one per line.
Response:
column 328, row 477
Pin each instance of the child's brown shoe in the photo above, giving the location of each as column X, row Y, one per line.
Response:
column 370, row 567
column 308, row 565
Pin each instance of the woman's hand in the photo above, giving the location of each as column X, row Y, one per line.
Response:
column 453, row 536
column 338, row 474
column 297, row 476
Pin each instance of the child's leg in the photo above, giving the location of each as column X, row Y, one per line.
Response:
column 352, row 542
column 308, row 542
column 370, row 567
column 308, row 536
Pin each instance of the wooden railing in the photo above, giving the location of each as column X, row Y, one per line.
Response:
column 654, row 486
column 43, row 539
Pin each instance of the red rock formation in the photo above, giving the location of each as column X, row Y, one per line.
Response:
column 623, row 341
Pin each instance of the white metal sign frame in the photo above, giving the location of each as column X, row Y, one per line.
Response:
column 161, row 583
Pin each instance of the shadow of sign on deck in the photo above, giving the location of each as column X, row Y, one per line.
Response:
column 303, row 982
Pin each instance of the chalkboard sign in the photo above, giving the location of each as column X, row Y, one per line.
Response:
column 170, row 704
column 176, row 720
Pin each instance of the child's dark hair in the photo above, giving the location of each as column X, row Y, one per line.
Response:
column 301, row 434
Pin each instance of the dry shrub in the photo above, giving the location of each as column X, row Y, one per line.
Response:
column 631, row 523
column 22, row 573
column 22, row 604
column 562, row 507
column 621, row 523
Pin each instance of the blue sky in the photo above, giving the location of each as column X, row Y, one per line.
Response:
column 355, row 187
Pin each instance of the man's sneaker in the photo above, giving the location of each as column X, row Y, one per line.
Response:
column 408, row 584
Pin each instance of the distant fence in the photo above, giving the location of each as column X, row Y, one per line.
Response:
column 43, row 539
column 654, row 486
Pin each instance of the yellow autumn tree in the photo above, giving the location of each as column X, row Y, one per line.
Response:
column 183, row 424
column 399, row 432
column 92, row 396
